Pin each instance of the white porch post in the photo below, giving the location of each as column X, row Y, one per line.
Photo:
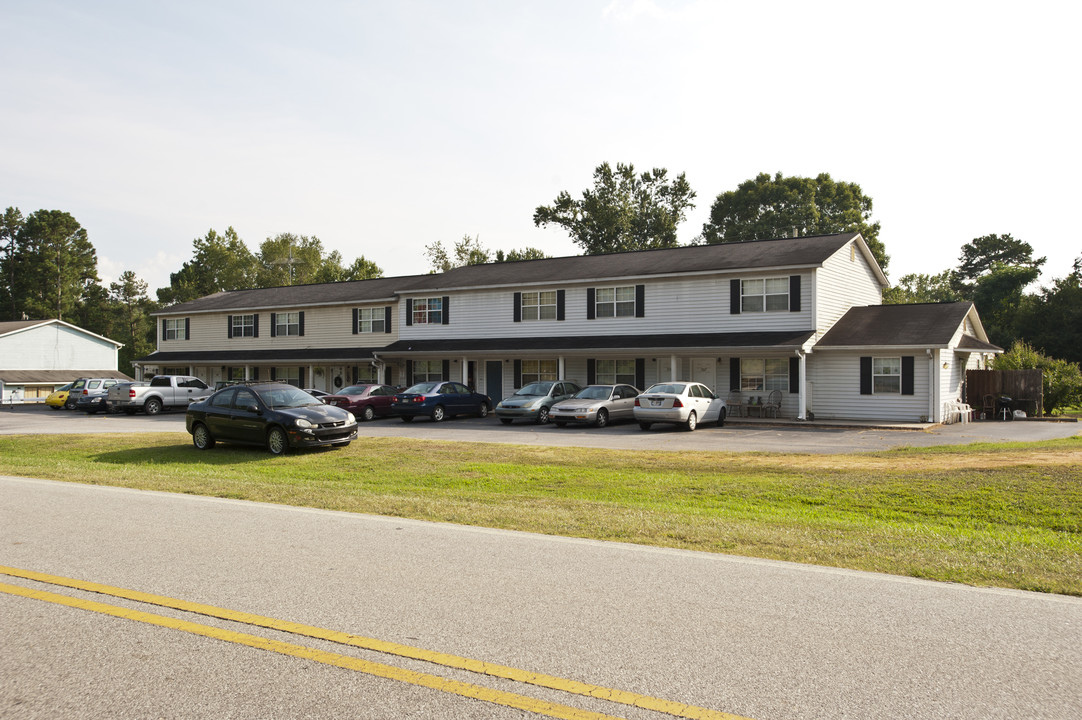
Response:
column 560, row 370
column 247, row 372
column 311, row 376
column 802, row 408
column 674, row 368
column 466, row 371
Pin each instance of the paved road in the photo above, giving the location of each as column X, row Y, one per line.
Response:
column 735, row 436
column 764, row 640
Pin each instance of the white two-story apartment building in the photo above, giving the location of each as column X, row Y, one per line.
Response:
column 799, row 315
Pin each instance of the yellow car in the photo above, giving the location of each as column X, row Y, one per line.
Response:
column 58, row 397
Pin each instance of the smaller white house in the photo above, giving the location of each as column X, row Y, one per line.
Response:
column 38, row 356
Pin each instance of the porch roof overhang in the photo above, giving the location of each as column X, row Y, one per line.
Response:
column 52, row 377
column 241, row 357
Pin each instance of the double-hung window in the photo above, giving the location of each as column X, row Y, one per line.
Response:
column 765, row 295
column 538, row 370
column 615, row 302
column 290, row 375
column 371, row 320
column 428, row 311
column 243, row 326
column 175, row 329
column 287, row 323
column 427, row 371
column 539, row 305
column 613, row 372
column 764, row 374
column 887, row 375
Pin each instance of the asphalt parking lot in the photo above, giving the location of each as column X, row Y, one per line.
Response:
column 740, row 435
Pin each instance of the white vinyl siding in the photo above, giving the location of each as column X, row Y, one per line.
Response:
column 834, row 391
column 329, row 327
column 841, row 284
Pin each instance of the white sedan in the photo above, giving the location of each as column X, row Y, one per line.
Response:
column 683, row 403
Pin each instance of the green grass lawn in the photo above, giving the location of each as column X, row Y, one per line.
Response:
column 1004, row 515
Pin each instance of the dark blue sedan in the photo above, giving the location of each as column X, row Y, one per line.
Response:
column 439, row 400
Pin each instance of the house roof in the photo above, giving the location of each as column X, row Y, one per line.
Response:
column 14, row 326
column 787, row 253
column 31, row 377
column 921, row 325
column 241, row 357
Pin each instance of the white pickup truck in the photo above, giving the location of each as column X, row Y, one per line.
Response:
column 161, row 393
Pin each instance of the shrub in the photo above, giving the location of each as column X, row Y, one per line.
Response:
column 1062, row 379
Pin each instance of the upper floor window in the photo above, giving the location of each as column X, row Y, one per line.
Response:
column 615, row 302
column 371, row 320
column 539, row 305
column 887, row 375
column 765, row 295
column 287, row 323
column 175, row 329
column 764, row 375
column 243, row 326
column 427, row 311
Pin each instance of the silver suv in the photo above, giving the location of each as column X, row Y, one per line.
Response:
column 88, row 394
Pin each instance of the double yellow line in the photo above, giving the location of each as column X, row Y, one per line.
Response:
column 435, row 682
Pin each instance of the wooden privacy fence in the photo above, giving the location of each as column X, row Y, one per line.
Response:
column 1025, row 387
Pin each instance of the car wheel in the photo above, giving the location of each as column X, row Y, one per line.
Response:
column 484, row 410
column 277, row 442
column 505, row 421
column 542, row 416
column 407, row 418
column 644, row 426
column 69, row 405
column 561, row 423
column 201, row 437
column 153, row 406
column 368, row 413
column 602, row 418
column 691, row 422
column 438, row 413
column 721, row 418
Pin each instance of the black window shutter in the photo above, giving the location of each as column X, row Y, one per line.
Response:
column 274, row 373
column 446, row 369
column 517, row 314
column 866, row 375
column 590, row 309
column 734, row 297
column 255, row 326
column 640, row 301
column 255, row 373
column 591, row 371
column 274, row 325
column 187, row 328
column 518, row 373
column 734, row 373
column 356, row 320
column 163, row 329
column 559, row 304
column 794, row 293
column 409, row 372
column 794, row 374
column 907, row 375
column 301, row 323
column 640, row 373
column 387, row 319
column 229, row 326
column 409, row 315
column 302, row 377
column 446, row 310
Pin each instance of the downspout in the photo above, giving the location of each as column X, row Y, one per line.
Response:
column 379, row 366
column 933, row 379
column 802, row 397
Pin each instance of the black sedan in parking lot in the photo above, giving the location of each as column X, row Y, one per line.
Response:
column 276, row 415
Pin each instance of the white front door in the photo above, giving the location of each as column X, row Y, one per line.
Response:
column 704, row 370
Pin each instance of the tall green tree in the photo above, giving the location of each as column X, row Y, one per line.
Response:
column 467, row 251
column 983, row 255
column 363, row 269
column 1052, row 320
column 526, row 253
column 624, row 211
column 219, row 262
column 921, row 288
column 133, row 324
column 289, row 259
column 771, row 207
column 10, row 225
column 54, row 265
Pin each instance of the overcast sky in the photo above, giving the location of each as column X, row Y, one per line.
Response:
column 382, row 127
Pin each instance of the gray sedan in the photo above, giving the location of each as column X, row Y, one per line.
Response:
column 596, row 405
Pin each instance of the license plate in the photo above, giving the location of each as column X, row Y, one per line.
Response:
column 656, row 403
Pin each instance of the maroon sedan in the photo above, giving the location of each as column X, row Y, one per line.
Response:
column 364, row 401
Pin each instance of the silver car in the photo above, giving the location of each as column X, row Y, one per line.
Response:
column 534, row 400
column 596, row 405
column 683, row 403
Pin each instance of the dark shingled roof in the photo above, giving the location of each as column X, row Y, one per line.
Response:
column 13, row 325
column 13, row 377
column 809, row 251
column 922, row 325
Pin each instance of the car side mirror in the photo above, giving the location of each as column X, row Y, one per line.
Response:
column 252, row 409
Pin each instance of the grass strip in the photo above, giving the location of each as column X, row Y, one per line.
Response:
column 1005, row 515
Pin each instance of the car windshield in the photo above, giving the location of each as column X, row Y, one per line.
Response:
column 536, row 388
column 286, row 397
column 595, row 392
column 674, row 388
column 422, row 388
column 353, row 390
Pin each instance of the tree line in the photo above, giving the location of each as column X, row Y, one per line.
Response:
column 50, row 266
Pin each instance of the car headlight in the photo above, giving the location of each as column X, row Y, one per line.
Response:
column 350, row 418
column 302, row 423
